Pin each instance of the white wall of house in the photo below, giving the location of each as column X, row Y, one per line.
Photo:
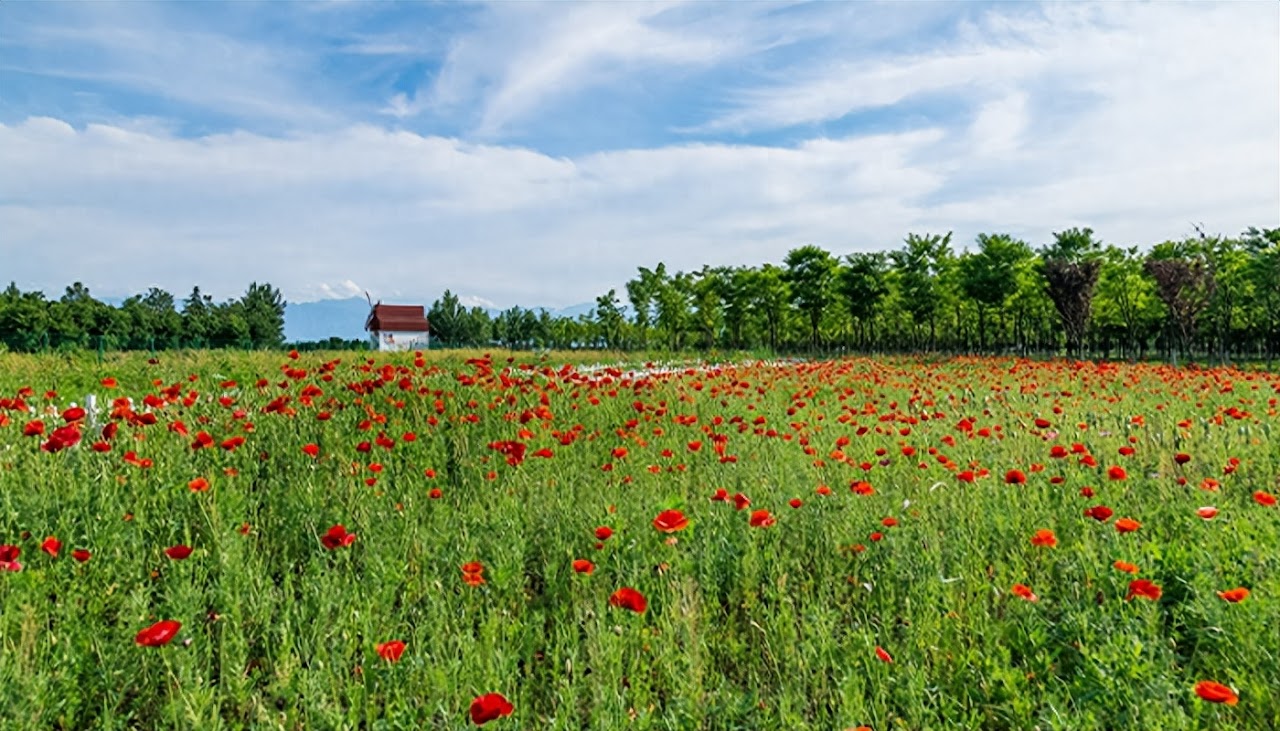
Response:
column 387, row 340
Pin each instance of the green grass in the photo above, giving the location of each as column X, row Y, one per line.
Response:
column 746, row 628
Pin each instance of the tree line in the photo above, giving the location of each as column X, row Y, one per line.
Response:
column 29, row 321
column 1213, row 297
column 1203, row 297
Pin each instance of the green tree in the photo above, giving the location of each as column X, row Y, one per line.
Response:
column 863, row 284
column 608, row 317
column 988, row 277
column 262, row 308
column 198, row 313
column 735, row 298
column 811, row 273
column 920, row 265
column 770, row 295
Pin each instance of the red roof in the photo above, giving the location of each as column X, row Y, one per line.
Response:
column 397, row 318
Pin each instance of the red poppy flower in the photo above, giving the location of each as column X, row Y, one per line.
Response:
column 741, row 501
column 51, row 546
column 435, row 493
column 1127, row 525
column 883, row 654
column 1264, row 499
column 1100, row 513
column 1126, row 567
column 1216, row 692
column 1235, row 596
column 1207, row 512
column 337, row 537
column 583, row 566
column 1024, row 591
column 1144, row 588
column 489, row 707
column 108, row 382
column 720, row 495
column 81, row 555
column 159, row 634
column 9, row 558
column 178, row 553
column 1015, row 477
column 390, row 651
column 876, row 537
column 75, row 413
column 670, row 521
column 311, row 450
column 762, row 519
column 603, row 533
column 1044, row 537
column 965, row 476
column 33, row 428
column 795, row 502
column 203, row 439
column 1116, row 473
column 889, row 522
column 62, row 438
column 630, row 599
column 1181, row 458
column 199, row 484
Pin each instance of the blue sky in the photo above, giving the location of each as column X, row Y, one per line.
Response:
column 536, row 154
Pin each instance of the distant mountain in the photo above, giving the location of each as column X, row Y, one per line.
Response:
column 307, row 321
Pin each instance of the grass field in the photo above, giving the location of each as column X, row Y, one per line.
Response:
column 992, row 544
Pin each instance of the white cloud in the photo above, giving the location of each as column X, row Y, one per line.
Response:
column 527, row 56
column 1078, row 115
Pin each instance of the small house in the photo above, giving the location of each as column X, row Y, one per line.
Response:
column 398, row 327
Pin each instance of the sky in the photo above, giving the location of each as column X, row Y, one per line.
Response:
column 534, row 154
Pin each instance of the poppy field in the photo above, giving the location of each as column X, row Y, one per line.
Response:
column 261, row 540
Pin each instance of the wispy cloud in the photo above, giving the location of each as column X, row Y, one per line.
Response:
column 411, row 154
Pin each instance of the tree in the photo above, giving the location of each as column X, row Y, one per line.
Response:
column 673, row 295
column 1185, row 283
column 262, row 308
column 24, row 319
column 1070, row 271
column 989, row 276
column 920, row 265
column 1126, row 299
column 641, row 292
column 863, row 284
column 197, row 317
column 770, row 294
column 735, row 296
column 811, row 273
column 608, row 316
column 446, row 317
column 1263, row 246
column 705, row 291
